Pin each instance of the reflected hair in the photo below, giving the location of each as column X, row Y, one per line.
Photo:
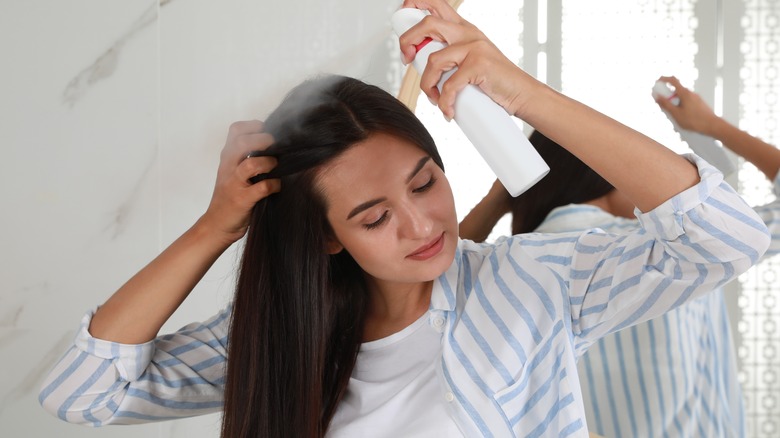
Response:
column 570, row 181
column 298, row 312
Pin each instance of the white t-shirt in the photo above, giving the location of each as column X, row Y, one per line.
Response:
column 394, row 390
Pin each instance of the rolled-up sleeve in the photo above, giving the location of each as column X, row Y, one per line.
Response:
column 98, row 382
column 691, row 244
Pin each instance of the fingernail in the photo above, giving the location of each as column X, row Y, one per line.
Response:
column 431, row 101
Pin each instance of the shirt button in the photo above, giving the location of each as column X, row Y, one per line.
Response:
column 449, row 396
column 438, row 322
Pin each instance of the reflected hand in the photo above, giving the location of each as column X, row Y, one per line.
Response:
column 692, row 113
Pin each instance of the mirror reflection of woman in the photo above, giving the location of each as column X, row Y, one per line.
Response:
column 358, row 311
column 674, row 375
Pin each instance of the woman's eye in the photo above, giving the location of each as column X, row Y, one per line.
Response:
column 425, row 186
column 377, row 222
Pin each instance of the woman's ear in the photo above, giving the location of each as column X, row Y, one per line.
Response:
column 333, row 246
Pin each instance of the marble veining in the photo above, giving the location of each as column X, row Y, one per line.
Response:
column 11, row 317
column 12, row 312
column 119, row 221
column 222, row 60
column 105, row 65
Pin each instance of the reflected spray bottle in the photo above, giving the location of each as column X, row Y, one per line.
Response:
column 703, row 146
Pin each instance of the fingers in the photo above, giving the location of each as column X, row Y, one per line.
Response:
column 679, row 89
column 665, row 103
column 244, row 127
column 692, row 112
column 243, row 138
column 461, row 37
column 437, row 8
column 243, row 162
column 442, row 25
column 477, row 60
column 235, row 194
column 439, row 63
column 251, row 167
column 247, row 145
column 236, row 191
column 674, row 82
column 243, row 149
column 264, row 188
column 473, row 61
column 430, row 27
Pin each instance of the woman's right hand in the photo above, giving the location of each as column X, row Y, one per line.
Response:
column 478, row 60
column 136, row 312
column 234, row 195
column 602, row 143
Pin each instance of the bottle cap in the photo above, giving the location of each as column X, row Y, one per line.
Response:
column 666, row 91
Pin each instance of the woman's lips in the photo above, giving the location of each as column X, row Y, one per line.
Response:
column 428, row 250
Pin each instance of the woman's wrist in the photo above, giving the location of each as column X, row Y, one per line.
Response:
column 205, row 231
column 527, row 99
column 717, row 128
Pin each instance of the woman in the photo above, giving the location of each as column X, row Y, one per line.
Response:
column 358, row 311
column 675, row 375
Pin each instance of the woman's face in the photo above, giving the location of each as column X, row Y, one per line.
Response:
column 391, row 207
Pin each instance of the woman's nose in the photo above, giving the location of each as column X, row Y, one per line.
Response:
column 417, row 222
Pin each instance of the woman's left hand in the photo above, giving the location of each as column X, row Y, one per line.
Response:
column 478, row 60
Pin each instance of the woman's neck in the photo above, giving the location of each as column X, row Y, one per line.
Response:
column 392, row 307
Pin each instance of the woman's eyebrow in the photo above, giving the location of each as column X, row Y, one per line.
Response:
column 364, row 206
column 417, row 168
column 373, row 202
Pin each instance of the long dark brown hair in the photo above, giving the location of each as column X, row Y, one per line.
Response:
column 570, row 181
column 298, row 312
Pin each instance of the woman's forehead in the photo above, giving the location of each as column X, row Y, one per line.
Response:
column 367, row 167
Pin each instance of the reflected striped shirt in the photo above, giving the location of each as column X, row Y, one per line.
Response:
column 675, row 375
column 517, row 314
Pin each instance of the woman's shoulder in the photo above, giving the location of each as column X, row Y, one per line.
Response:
column 536, row 247
column 518, row 246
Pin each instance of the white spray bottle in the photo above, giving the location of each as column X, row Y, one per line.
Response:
column 703, row 146
column 491, row 130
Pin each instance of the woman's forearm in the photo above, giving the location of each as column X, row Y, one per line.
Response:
column 135, row 313
column 645, row 171
column 479, row 222
column 760, row 153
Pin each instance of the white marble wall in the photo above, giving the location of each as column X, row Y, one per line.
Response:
column 112, row 116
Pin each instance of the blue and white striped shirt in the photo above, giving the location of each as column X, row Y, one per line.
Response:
column 675, row 375
column 518, row 315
